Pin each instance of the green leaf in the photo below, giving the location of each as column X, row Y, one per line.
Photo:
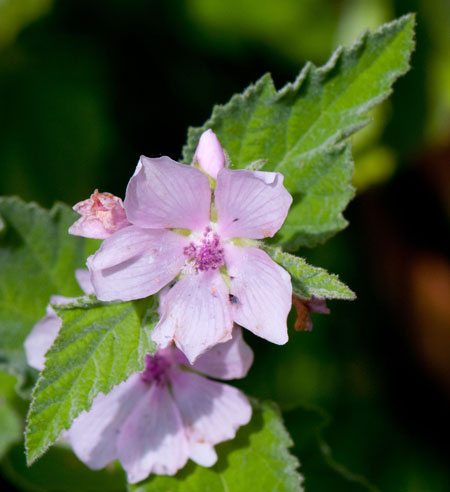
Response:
column 10, row 421
column 37, row 259
column 321, row 472
column 308, row 280
column 257, row 459
column 98, row 346
column 300, row 130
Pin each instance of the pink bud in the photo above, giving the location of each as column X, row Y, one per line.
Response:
column 209, row 154
column 101, row 215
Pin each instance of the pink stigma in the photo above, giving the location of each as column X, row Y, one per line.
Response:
column 206, row 254
column 156, row 367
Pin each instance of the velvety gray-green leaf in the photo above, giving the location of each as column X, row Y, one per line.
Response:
column 37, row 259
column 98, row 346
column 296, row 129
column 257, row 459
column 322, row 192
column 308, row 280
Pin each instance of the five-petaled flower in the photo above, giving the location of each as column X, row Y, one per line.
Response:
column 159, row 418
column 203, row 246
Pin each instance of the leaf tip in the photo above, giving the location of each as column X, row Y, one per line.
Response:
column 349, row 295
column 31, row 454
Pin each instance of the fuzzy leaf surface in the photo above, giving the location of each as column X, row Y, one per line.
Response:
column 300, row 131
column 308, row 280
column 256, row 459
column 38, row 258
column 98, row 346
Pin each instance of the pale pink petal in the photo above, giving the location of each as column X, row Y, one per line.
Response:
column 165, row 194
column 135, row 263
column 250, row 204
column 93, row 434
column 209, row 154
column 41, row 339
column 197, row 314
column 162, row 300
column 152, row 439
column 84, row 281
column 203, row 454
column 262, row 292
column 89, row 227
column 211, row 411
column 43, row 334
column 56, row 299
column 229, row 360
column 101, row 215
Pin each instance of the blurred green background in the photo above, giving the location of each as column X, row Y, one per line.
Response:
column 86, row 87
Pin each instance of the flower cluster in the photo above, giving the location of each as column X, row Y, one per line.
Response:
column 193, row 235
column 157, row 419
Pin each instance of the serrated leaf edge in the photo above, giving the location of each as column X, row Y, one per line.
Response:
column 273, row 251
column 32, row 456
column 308, row 68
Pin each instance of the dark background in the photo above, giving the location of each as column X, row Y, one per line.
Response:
column 88, row 86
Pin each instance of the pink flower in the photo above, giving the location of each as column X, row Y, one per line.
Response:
column 157, row 419
column 208, row 245
column 101, row 215
column 44, row 332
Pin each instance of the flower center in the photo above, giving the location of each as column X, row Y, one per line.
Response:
column 156, row 368
column 206, row 254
